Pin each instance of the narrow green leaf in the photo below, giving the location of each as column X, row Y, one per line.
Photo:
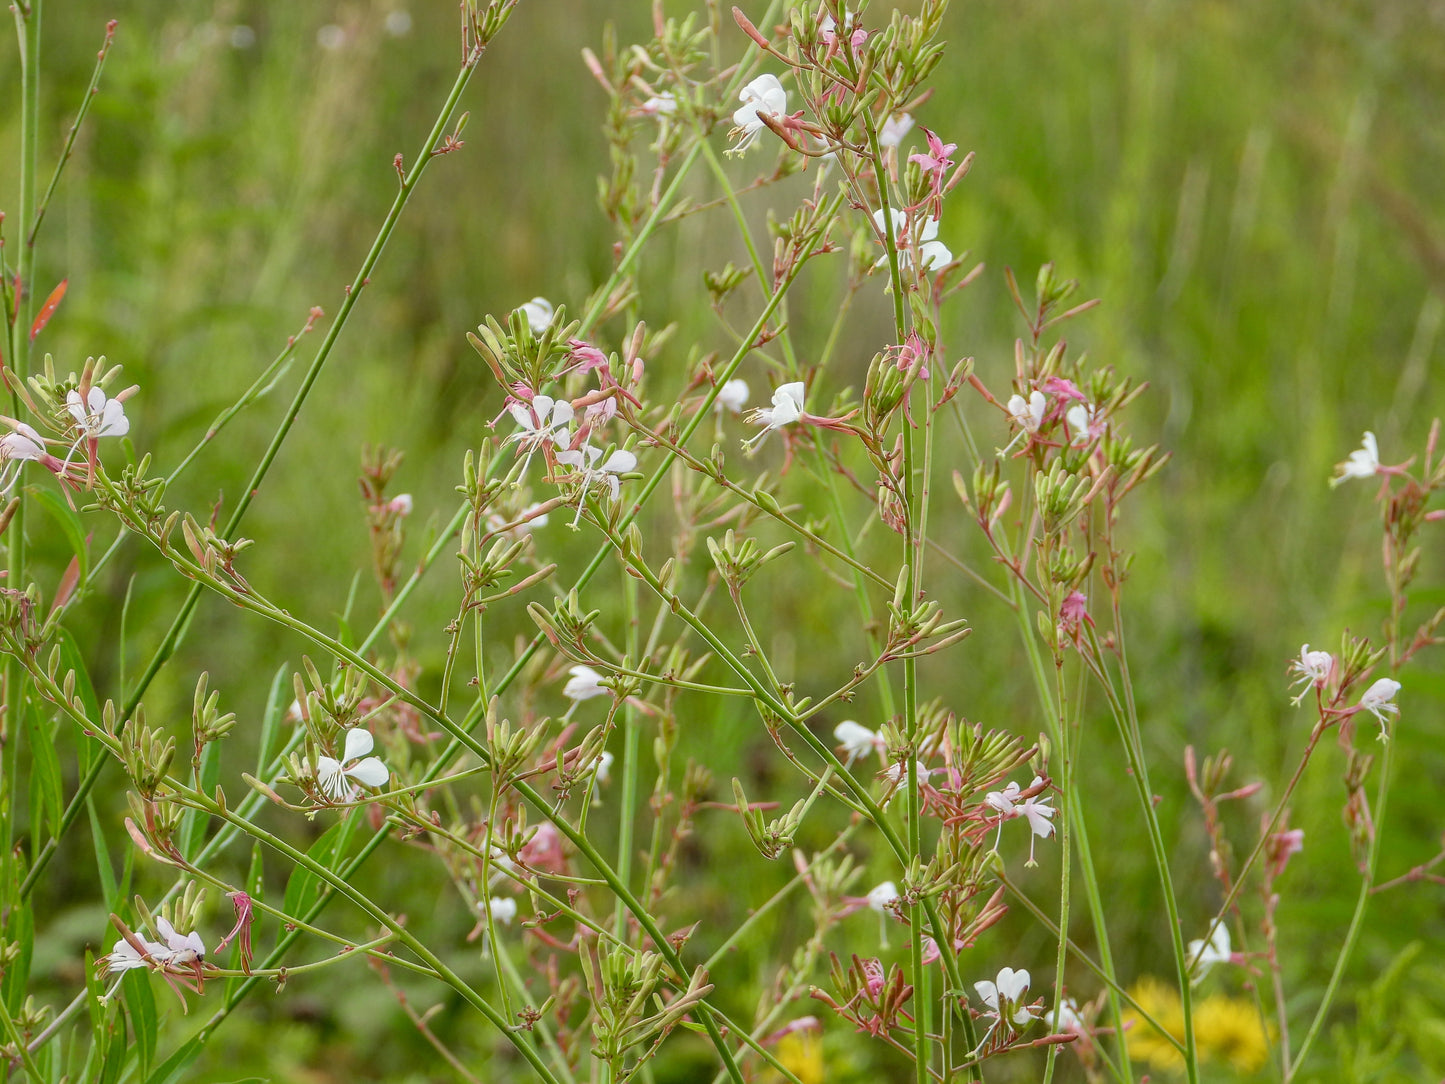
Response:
column 272, row 718
column 303, row 887
column 108, row 887
column 45, row 770
column 20, row 930
column 69, row 521
column 170, row 1070
column 72, row 660
column 140, row 1002
column 117, row 1056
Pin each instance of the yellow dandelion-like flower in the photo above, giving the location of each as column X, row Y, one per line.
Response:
column 802, row 1054
column 1225, row 1029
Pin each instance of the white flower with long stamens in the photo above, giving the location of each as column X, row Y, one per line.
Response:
column 1003, row 802
column 1082, row 423
column 185, row 950
column 539, row 313
column 786, row 409
column 124, row 956
column 584, row 684
column 332, row 775
column 96, row 415
column 1312, row 670
column 541, row 421
column 16, row 449
column 932, row 253
column 732, row 396
column 584, row 459
column 1364, row 462
column 1005, row 997
column 764, row 96
column 1202, row 955
column 1038, row 813
column 856, row 739
column 1378, row 700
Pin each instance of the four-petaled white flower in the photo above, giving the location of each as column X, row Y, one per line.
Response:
column 541, row 421
column 1364, row 462
column 786, row 409
column 16, row 449
column 538, row 312
column 584, row 459
column 503, row 908
column 332, row 775
column 584, row 684
column 1312, row 670
column 1037, row 811
column 765, row 96
column 880, row 896
column 1066, row 1018
column 1378, row 700
column 1005, row 997
column 1028, row 413
column 732, row 396
column 897, row 774
column 894, row 129
column 1083, row 423
column 856, row 739
column 932, row 253
column 1203, row 955
column 96, row 415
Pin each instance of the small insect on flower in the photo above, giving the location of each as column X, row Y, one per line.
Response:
column 1204, row 955
column 786, row 409
column 1379, row 702
column 1364, row 462
column 332, row 775
column 1311, row 670
column 185, row 950
column 764, row 96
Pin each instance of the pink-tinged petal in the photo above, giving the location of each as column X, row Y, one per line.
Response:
column 358, row 744
column 370, row 772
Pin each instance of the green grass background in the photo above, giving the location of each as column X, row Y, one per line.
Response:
column 1253, row 189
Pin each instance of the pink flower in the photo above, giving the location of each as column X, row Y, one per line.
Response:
column 1281, row 845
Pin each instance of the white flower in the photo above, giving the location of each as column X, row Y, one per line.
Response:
column 732, row 396
column 897, row 774
column 331, row 774
column 96, row 415
column 124, row 957
column 894, row 129
column 1378, row 701
column 189, row 949
column 857, row 740
column 545, row 420
column 1082, row 419
column 401, row 504
column 585, row 459
column 1003, row 800
column 764, row 95
column 1038, row 813
column 1313, row 669
column 1005, row 997
column 584, row 684
column 16, row 448
column 1066, row 1018
column 662, row 105
column 504, row 909
column 1202, row 956
column 786, row 409
column 880, row 896
column 932, row 254
column 1364, row 462
column 604, row 767
column 1028, row 413
column 538, row 312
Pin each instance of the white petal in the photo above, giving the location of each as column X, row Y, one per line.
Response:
column 504, row 909
column 988, row 993
column 1013, row 984
column 195, row 944
column 96, row 400
column 562, row 414
column 370, row 772
column 168, row 933
column 330, row 778
column 928, row 231
column 358, row 744
column 619, row 462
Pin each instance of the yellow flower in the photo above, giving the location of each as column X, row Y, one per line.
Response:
column 1225, row 1029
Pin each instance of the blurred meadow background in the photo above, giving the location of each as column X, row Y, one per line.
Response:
column 1254, row 190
